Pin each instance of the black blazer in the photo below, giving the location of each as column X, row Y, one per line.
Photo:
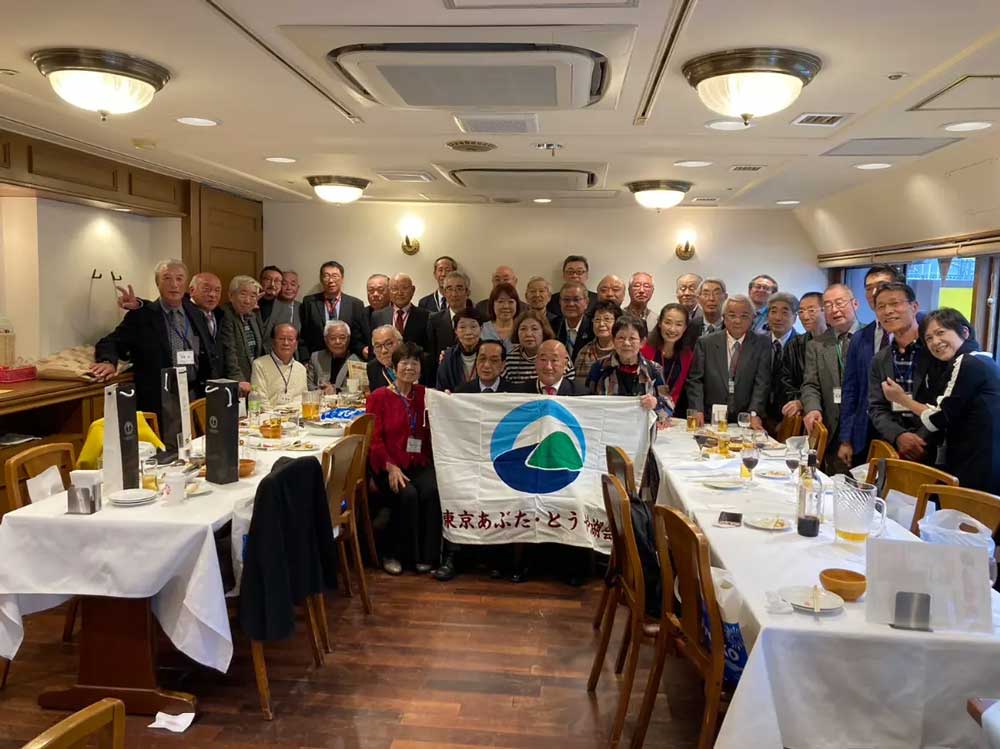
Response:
column 568, row 386
column 430, row 303
column 776, row 398
column 415, row 330
column 708, row 380
column 584, row 335
column 141, row 338
column 890, row 424
column 555, row 309
column 376, row 375
column 472, row 386
column 212, row 352
column 352, row 311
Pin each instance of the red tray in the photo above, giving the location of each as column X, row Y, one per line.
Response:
column 17, row 374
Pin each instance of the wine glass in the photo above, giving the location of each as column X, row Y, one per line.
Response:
column 743, row 419
column 750, row 455
column 792, row 457
column 701, row 437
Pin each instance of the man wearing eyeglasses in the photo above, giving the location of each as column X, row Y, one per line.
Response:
column 385, row 339
column 575, row 269
column 794, row 361
column 640, row 291
column 575, row 328
column 760, row 289
column 711, row 296
column 687, row 296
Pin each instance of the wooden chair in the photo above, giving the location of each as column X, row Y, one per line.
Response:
column 976, row 706
column 4, row 671
column 154, row 423
column 683, row 551
column 103, row 721
column 198, row 418
column 364, row 425
column 905, row 476
column 631, row 591
column 818, row 439
column 620, row 466
column 983, row 506
column 878, row 450
column 344, row 470
column 790, row 426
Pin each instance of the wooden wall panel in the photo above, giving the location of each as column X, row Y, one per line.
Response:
column 50, row 163
column 230, row 235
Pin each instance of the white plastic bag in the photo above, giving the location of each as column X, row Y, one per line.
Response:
column 730, row 604
column 240, row 530
column 942, row 527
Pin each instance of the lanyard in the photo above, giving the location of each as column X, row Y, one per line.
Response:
column 331, row 309
column 184, row 337
column 277, row 365
column 411, row 414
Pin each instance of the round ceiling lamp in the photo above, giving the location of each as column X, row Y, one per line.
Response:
column 338, row 189
column 659, row 193
column 101, row 81
column 752, row 82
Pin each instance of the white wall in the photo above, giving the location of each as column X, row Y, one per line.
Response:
column 19, row 293
column 533, row 240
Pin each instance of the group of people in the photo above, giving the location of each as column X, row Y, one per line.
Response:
column 916, row 381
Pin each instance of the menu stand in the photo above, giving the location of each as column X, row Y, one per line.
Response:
column 117, row 646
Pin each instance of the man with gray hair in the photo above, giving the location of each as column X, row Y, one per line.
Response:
column 441, row 325
column 385, row 340
column 156, row 335
column 286, row 309
column 409, row 319
column 711, row 296
column 687, row 296
column 377, row 289
column 611, row 289
column 242, row 330
column 731, row 368
column 640, row 292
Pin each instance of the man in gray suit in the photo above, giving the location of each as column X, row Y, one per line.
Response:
column 823, row 372
column 286, row 309
column 242, row 331
column 731, row 367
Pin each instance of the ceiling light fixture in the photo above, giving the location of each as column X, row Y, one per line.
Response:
column 967, row 127
column 751, row 82
column 99, row 80
column 786, row 202
column 197, row 121
column 280, row 160
column 692, row 164
column 335, row 189
column 542, row 200
column 729, row 125
column 872, row 166
column 658, row 193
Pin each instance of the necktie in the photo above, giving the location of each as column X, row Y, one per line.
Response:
column 845, row 342
column 775, row 352
column 734, row 360
column 549, row 390
column 211, row 323
column 399, row 321
column 570, row 338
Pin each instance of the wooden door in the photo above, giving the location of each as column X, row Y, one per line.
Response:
column 226, row 235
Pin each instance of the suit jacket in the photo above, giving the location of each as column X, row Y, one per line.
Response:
column 319, row 367
column 430, row 303
column 285, row 312
column 776, row 393
column 239, row 353
column 584, row 335
column 352, row 311
column 708, row 380
column 890, row 424
column 822, row 373
column 568, row 386
column 441, row 332
column 141, row 338
column 855, row 425
column 376, row 375
column 415, row 330
column 792, row 371
column 212, row 355
column 472, row 386
column 554, row 308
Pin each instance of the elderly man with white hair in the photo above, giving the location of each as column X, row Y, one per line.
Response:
column 327, row 369
column 406, row 317
column 385, row 340
column 276, row 377
column 242, row 330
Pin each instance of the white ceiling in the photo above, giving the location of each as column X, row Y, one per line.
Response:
column 220, row 71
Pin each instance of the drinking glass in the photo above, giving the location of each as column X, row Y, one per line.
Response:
column 701, row 437
column 724, row 446
column 792, row 457
column 692, row 419
column 854, row 506
column 310, row 404
column 151, row 475
column 743, row 419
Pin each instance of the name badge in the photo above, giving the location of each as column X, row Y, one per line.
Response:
column 732, row 387
column 185, row 358
column 413, row 445
column 898, row 408
column 837, row 395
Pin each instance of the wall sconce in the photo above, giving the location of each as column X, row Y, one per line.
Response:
column 685, row 245
column 411, row 228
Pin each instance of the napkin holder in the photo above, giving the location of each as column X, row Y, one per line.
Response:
column 83, row 500
column 913, row 611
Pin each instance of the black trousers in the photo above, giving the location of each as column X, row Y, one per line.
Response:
column 415, row 525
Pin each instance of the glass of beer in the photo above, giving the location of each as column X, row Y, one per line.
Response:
column 151, row 475
column 854, row 506
column 692, row 419
column 723, row 444
column 310, row 405
column 270, row 427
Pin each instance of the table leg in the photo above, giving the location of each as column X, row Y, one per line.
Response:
column 117, row 648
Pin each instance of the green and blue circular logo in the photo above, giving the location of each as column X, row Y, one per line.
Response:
column 543, row 466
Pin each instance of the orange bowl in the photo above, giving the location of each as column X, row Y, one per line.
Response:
column 247, row 467
column 847, row 584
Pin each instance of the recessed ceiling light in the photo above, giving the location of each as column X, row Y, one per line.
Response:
column 693, row 164
column 542, row 200
column 728, row 125
column 197, row 121
column 280, row 160
column 786, row 202
column 967, row 127
column 871, row 166
column 122, row 210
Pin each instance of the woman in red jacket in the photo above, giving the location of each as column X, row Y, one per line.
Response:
column 400, row 458
column 671, row 345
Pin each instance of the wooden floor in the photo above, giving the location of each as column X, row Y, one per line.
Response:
column 471, row 663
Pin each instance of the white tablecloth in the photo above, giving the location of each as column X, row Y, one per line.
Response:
column 166, row 553
column 824, row 681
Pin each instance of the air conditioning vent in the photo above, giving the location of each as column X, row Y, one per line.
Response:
column 505, row 124
column 536, row 180
column 705, row 199
column 812, row 119
column 399, row 176
column 746, row 167
column 471, row 146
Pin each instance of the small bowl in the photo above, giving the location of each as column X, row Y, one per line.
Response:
column 247, row 467
column 847, row 584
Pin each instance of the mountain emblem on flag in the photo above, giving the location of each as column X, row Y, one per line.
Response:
column 538, row 447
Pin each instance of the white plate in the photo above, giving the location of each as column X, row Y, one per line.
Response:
column 329, row 429
column 132, row 496
column 725, row 484
column 772, row 474
column 801, row 598
column 196, row 489
column 769, row 521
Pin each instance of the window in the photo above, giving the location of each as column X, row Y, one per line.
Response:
column 924, row 276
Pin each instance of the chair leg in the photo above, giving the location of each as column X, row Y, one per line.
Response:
column 602, row 604
column 652, row 689
column 312, row 624
column 627, row 681
column 70, row 623
column 602, row 648
column 366, row 523
column 710, row 719
column 625, row 644
column 260, row 672
column 342, row 555
column 362, row 581
column 4, row 671
column 324, row 628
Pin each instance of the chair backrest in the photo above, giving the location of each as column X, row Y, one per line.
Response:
column 681, row 544
column 878, row 450
column 31, row 462
column 790, row 426
column 906, row 476
column 198, row 419
column 103, row 721
column 983, row 506
column 342, row 470
column 363, row 425
column 818, row 438
column 153, row 421
column 620, row 466
column 619, row 512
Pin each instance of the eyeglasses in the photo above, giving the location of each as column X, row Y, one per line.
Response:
column 711, row 293
column 386, row 346
column 837, row 304
column 633, row 340
column 572, row 299
column 331, row 277
column 692, row 288
column 762, row 287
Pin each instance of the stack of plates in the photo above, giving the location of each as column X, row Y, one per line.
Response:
column 132, row 497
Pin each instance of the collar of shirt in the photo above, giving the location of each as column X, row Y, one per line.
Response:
column 784, row 339
column 491, row 388
column 573, row 328
column 405, row 310
column 556, row 385
column 730, row 341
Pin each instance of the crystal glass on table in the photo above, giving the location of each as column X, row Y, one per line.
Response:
column 311, row 404
column 692, row 419
column 701, row 437
column 750, row 456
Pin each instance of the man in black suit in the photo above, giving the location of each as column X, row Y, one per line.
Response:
column 782, row 308
column 731, row 367
column 441, row 325
column 385, row 340
column 575, row 328
column 550, row 365
column 206, row 293
column 489, row 364
column 242, row 330
column 438, row 300
column 575, row 269
column 333, row 304
column 402, row 314
column 377, row 289
column 156, row 335
column 270, row 287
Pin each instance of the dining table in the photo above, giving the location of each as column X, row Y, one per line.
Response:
column 827, row 680
column 132, row 567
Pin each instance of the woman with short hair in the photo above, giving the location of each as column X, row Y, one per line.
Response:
column 628, row 372
column 671, row 345
column 531, row 328
column 602, row 320
column 458, row 363
column 503, row 305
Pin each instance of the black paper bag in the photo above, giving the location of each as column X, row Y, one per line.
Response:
column 222, row 436
column 121, row 438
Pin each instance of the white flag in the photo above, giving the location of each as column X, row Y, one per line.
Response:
column 527, row 468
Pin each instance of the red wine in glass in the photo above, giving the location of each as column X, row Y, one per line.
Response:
column 750, row 461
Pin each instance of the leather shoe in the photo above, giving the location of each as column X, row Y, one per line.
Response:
column 423, row 569
column 392, row 566
column 446, row 571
